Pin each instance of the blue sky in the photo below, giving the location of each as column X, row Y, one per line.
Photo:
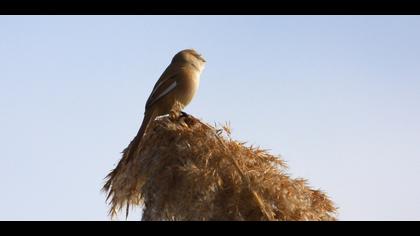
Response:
column 337, row 97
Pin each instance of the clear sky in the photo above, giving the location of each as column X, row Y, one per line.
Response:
column 337, row 96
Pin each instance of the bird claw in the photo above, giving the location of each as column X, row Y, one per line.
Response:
column 173, row 115
column 179, row 117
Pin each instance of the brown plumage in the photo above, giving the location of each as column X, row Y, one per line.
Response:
column 172, row 92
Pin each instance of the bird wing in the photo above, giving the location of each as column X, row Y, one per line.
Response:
column 163, row 86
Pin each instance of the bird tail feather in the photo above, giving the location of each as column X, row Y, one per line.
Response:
column 134, row 145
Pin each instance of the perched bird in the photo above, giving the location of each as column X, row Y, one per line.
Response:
column 172, row 92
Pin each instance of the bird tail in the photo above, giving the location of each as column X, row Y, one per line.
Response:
column 128, row 154
column 135, row 143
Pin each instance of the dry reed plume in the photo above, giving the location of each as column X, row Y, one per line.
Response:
column 188, row 170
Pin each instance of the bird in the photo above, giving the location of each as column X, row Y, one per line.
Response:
column 173, row 91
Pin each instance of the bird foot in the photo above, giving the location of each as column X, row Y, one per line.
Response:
column 173, row 115
column 179, row 117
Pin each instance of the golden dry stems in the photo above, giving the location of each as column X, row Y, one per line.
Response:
column 188, row 170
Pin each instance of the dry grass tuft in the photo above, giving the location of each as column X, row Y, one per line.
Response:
column 188, row 170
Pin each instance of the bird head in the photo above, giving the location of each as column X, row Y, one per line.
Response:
column 190, row 56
